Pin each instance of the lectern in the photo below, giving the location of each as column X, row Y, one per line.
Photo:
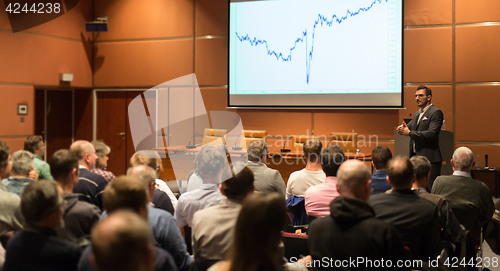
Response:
column 446, row 145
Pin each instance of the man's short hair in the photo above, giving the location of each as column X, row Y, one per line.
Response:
column 312, row 149
column 239, row 185
column 4, row 154
column 62, row 163
column 145, row 157
column 32, row 143
column 101, row 149
column 428, row 91
column 463, row 158
column 331, row 158
column 125, row 192
column 256, row 149
column 353, row 174
column 120, row 241
column 380, row 156
column 38, row 200
column 143, row 172
column 22, row 162
column 421, row 166
column 209, row 160
column 400, row 172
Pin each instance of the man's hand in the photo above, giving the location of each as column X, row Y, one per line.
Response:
column 403, row 129
column 33, row 174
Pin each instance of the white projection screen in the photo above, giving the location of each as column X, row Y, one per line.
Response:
column 316, row 53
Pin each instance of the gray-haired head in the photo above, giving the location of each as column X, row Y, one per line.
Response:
column 421, row 167
column 256, row 149
column 463, row 159
column 210, row 161
column 22, row 163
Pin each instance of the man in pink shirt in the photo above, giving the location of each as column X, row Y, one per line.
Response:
column 318, row 198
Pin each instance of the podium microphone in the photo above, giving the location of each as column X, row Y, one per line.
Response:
column 189, row 146
column 286, row 150
column 237, row 147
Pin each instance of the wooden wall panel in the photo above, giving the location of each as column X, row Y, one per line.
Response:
column 11, row 122
column 427, row 55
column 14, row 143
column 477, row 113
column 39, row 60
column 144, row 19
column 139, row 64
column 211, row 61
column 427, row 12
column 477, row 53
column 278, row 123
column 477, row 11
column 441, row 98
column 215, row 99
column 369, row 123
column 70, row 25
column 211, row 17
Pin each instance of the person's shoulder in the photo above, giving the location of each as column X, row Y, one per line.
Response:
column 159, row 213
column 88, row 208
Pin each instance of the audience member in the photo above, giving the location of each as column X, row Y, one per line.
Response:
column 414, row 217
column 351, row 230
column 153, row 160
column 265, row 179
column 147, row 175
column 380, row 156
column 37, row 246
column 213, row 227
column 208, row 165
column 90, row 185
column 257, row 236
column 318, row 197
column 129, row 192
column 102, row 150
column 79, row 216
column 451, row 230
column 35, row 145
column 10, row 214
column 124, row 242
column 469, row 199
column 22, row 165
column 312, row 174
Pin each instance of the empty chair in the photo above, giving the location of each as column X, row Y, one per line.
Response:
column 249, row 135
column 210, row 135
column 347, row 141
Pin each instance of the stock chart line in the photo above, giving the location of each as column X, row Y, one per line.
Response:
column 309, row 55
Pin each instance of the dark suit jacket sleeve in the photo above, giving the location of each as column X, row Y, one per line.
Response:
column 435, row 123
column 101, row 184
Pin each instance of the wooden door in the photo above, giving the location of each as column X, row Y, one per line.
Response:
column 112, row 128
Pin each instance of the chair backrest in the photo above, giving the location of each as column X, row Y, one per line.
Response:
column 347, row 141
column 249, row 135
column 298, row 142
column 210, row 135
column 295, row 245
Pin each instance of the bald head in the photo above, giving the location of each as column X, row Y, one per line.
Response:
column 463, row 159
column 123, row 241
column 400, row 173
column 86, row 153
column 146, row 174
column 354, row 180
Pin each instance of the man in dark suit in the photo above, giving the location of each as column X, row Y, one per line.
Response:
column 90, row 185
column 423, row 131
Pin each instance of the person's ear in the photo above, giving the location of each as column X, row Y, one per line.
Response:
column 338, row 189
column 221, row 190
column 453, row 163
column 388, row 181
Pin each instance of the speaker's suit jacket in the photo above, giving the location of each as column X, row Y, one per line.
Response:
column 425, row 134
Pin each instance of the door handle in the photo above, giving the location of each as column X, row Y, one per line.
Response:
column 121, row 134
